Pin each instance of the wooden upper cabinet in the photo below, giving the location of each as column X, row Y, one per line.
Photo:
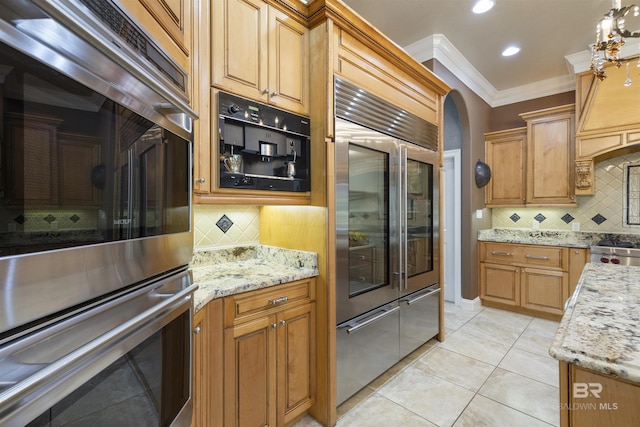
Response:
column 261, row 53
column 551, row 156
column 506, row 155
column 358, row 63
column 533, row 165
column 239, row 47
column 288, row 63
column 169, row 23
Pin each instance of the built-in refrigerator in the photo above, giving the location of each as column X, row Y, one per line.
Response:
column 387, row 205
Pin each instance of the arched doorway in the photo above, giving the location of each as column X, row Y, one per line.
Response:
column 452, row 201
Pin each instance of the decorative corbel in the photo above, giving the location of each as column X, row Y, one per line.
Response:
column 584, row 177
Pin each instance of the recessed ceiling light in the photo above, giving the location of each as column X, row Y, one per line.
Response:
column 483, row 6
column 510, row 51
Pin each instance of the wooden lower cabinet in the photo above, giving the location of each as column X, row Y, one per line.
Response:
column 591, row 399
column 544, row 290
column 500, row 283
column 269, row 362
column 529, row 278
column 207, row 366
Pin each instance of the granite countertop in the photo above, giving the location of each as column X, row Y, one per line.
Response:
column 600, row 329
column 228, row 271
column 572, row 239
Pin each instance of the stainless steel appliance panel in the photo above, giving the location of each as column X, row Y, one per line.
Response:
column 39, row 370
column 96, row 161
column 419, row 318
column 387, row 223
column 366, row 347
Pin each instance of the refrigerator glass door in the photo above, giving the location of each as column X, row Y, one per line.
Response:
column 366, row 191
column 368, row 219
column 419, row 218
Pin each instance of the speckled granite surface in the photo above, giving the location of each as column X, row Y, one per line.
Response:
column 228, row 271
column 600, row 329
column 575, row 239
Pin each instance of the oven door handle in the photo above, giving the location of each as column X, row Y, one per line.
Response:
column 83, row 363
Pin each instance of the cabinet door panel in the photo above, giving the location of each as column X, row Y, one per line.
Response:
column 240, row 47
column 615, row 405
column 296, row 361
column 506, row 156
column 550, row 156
column 250, row 367
column 578, row 257
column 500, row 283
column 288, row 59
column 544, row 290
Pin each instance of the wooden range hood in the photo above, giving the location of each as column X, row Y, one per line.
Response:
column 608, row 120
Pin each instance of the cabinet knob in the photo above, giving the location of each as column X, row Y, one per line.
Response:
column 197, row 330
column 200, row 180
column 266, row 91
column 273, row 94
column 274, row 325
column 282, row 322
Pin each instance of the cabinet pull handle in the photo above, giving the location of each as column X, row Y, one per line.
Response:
column 197, row 330
column 360, row 257
column 546, row 258
column 501, row 253
column 278, row 300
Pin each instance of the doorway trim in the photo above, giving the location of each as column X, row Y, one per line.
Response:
column 456, row 156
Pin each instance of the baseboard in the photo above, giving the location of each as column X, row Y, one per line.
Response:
column 471, row 304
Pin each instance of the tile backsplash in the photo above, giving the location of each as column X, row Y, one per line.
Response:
column 602, row 212
column 222, row 225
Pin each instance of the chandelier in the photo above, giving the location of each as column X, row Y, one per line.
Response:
column 611, row 32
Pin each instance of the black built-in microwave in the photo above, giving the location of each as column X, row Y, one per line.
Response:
column 262, row 147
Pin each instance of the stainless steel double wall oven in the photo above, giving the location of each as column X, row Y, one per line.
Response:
column 95, row 220
column 387, row 207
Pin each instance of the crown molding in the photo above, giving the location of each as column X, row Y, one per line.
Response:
column 438, row 47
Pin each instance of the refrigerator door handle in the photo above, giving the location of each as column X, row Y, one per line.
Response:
column 355, row 325
column 410, row 301
column 405, row 213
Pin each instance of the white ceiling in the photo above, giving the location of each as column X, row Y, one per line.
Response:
column 553, row 35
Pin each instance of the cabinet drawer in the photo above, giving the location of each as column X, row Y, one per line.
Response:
column 543, row 256
column 498, row 252
column 243, row 307
column 525, row 255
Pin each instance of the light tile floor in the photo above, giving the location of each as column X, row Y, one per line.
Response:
column 493, row 369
